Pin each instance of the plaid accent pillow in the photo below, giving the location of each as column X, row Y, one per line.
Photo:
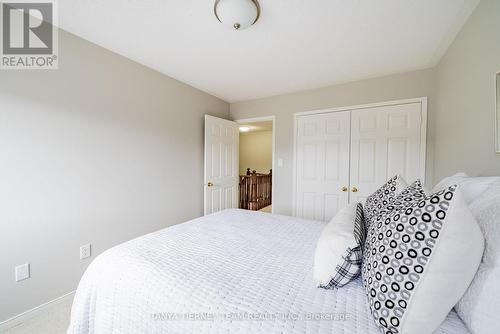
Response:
column 349, row 267
column 348, row 270
column 360, row 228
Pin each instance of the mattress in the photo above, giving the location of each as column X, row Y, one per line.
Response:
column 231, row 272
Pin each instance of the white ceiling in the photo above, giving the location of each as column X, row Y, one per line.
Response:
column 295, row 45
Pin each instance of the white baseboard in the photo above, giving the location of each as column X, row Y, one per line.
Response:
column 30, row 314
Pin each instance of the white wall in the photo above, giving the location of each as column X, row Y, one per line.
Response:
column 102, row 150
column 394, row 87
column 256, row 151
column 465, row 108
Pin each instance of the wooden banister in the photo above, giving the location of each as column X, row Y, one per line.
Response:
column 255, row 190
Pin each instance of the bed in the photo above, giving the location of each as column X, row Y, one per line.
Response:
column 231, row 272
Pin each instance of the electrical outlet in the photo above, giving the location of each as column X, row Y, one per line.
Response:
column 22, row 272
column 84, row 251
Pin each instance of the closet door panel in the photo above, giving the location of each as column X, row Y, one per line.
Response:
column 384, row 141
column 366, row 156
column 322, row 165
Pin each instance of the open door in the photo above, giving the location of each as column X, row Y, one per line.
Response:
column 221, row 164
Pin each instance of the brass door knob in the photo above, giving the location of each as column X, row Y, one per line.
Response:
column 210, row 184
column 344, row 188
column 354, row 189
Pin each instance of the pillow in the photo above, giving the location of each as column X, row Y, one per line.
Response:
column 449, row 181
column 412, row 193
column 338, row 256
column 472, row 187
column 420, row 261
column 383, row 196
column 479, row 306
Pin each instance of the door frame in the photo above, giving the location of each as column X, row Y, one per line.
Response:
column 264, row 119
column 423, row 133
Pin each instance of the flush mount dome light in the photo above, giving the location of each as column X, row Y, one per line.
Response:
column 244, row 128
column 238, row 14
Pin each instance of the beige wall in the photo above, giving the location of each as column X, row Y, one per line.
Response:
column 102, row 150
column 256, row 151
column 394, row 87
column 464, row 119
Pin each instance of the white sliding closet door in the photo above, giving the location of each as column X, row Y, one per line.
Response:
column 322, row 168
column 385, row 141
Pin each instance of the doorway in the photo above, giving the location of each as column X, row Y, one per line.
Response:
column 256, row 163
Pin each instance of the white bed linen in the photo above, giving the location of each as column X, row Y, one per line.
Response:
column 233, row 261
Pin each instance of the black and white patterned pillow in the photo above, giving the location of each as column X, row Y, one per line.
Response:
column 383, row 196
column 414, row 192
column 400, row 245
column 350, row 266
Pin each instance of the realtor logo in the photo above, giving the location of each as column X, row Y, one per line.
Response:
column 29, row 35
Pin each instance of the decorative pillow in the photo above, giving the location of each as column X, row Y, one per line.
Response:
column 414, row 192
column 338, row 256
column 383, row 196
column 420, row 260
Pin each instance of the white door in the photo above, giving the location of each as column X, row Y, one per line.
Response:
column 221, row 164
column 322, row 168
column 385, row 141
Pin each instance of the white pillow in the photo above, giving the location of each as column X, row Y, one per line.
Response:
column 449, row 181
column 338, row 255
column 480, row 305
column 420, row 261
column 471, row 187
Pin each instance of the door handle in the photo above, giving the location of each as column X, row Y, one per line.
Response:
column 344, row 188
column 210, row 184
column 354, row 189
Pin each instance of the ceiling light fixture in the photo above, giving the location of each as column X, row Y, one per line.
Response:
column 239, row 14
column 244, row 128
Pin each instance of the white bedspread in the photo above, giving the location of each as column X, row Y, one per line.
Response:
column 223, row 269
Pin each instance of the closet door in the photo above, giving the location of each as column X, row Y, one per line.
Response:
column 385, row 141
column 322, row 169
